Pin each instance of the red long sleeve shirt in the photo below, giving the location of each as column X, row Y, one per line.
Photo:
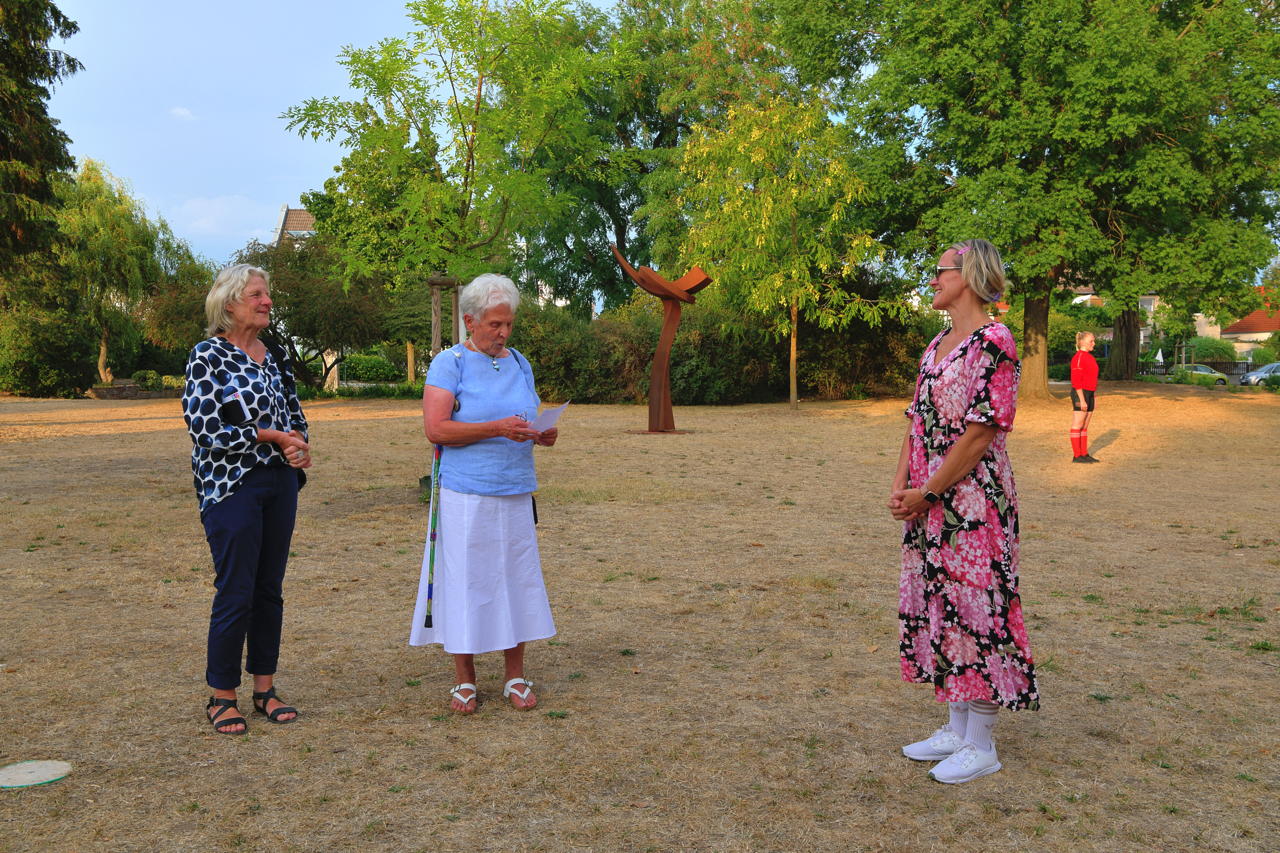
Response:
column 1084, row 371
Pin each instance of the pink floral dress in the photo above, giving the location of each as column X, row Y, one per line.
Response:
column 960, row 618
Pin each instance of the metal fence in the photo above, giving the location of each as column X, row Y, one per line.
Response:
column 1230, row 368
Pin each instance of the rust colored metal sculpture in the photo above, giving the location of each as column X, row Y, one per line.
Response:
column 672, row 294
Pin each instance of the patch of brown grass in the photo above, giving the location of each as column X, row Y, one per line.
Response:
column 725, row 676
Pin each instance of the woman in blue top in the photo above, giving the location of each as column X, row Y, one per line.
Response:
column 488, row 594
column 249, row 441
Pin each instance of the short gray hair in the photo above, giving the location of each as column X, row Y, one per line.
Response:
column 981, row 268
column 485, row 292
column 228, row 287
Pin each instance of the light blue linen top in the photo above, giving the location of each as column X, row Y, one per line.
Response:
column 491, row 466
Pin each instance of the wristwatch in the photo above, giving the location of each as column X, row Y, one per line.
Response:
column 932, row 497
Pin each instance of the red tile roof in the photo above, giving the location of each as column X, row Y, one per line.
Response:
column 1265, row 319
column 1257, row 322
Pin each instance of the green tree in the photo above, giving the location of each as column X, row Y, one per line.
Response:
column 1103, row 143
column 107, row 247
column 47, row 343
column 32, row 147
column 768, row 197
column 458, row 115
column 172, row 310
column 659, row 67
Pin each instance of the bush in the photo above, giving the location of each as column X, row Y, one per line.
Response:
column 1182, row 376
column 1213, row 349
column 46, row 353
column 147, row 380
column 860, row 359
column 402, row 390
column 1272, row 382
column 161, row 360
column 1263, row 355
column 369, row 368
column 1059, row 371
column 172, row 382
column 574, row 358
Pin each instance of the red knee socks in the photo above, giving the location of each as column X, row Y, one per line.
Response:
column 1077, row 448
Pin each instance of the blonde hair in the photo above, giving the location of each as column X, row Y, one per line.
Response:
column 228, row 287
column 485, row 292
column 981, row 268
column 1081, row 337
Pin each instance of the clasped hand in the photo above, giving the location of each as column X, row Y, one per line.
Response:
column 297, row 452
column 907, row 504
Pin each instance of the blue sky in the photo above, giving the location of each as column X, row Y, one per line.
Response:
column 182, row 102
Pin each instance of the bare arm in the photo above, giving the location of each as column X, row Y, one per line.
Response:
column 441, row 428
column 900, row 478
column 959, row 461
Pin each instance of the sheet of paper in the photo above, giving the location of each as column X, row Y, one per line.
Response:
column 547, row 419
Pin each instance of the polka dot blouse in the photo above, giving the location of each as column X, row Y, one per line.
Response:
column 227, row 399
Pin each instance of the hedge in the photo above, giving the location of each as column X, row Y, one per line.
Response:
column 369, row 368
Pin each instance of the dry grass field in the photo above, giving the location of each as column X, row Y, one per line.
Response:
column 725, row 677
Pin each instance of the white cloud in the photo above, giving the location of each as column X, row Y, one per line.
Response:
column 235, row 217
column 182, row 113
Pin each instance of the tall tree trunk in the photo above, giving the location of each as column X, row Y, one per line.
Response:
column 1122, row 363
column 795, row 329
column 1035, row 350
column 411, row 363
column 104, row 372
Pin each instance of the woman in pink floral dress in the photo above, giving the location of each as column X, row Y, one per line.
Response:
column 960, row 617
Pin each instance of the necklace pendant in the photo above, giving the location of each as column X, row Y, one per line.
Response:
column 494, row 362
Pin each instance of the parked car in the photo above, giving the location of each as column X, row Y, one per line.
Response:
column 1203, row 370
column 1255, row 376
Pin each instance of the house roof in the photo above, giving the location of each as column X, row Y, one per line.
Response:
column 1265, row 319
column 1258, row 321
column 299, row 219
column 296, row 222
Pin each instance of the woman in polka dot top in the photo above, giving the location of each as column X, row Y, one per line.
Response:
column 250, row 445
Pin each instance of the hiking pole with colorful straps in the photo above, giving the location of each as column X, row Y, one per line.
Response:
column 431, row 537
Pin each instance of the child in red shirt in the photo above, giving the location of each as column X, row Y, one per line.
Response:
column 1084, row 382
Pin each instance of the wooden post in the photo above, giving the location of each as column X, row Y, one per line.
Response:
column 459, row 328
column 435, row 319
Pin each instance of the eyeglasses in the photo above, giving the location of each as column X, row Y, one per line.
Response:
column 938, row 271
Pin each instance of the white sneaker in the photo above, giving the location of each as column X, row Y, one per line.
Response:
column 965, row 764
column 935, row 747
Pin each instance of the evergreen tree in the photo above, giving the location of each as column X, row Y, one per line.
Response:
column 32, row 147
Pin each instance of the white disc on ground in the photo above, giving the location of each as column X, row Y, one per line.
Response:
column 24, row 774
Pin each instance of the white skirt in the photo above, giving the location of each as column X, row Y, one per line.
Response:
column 488, row 589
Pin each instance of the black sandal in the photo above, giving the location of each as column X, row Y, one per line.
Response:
column 222, row 726
column 266, row 697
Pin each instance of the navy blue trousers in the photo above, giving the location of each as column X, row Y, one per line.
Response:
column 249, row 532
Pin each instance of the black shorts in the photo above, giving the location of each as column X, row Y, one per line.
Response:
column 1075, row 400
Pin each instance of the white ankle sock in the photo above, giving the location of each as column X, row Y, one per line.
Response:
column 959, row 717
column 982, row 719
